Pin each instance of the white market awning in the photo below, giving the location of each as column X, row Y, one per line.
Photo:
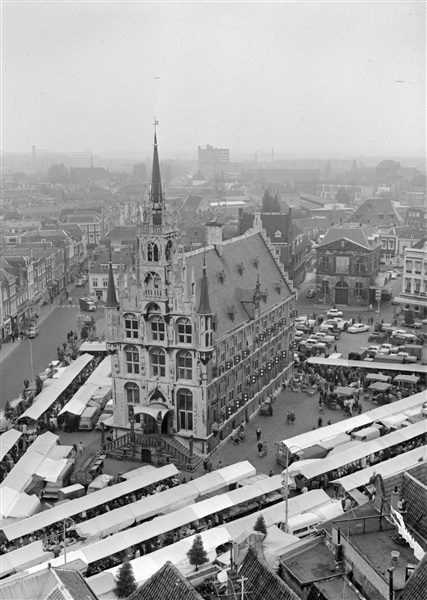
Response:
column 7, row 441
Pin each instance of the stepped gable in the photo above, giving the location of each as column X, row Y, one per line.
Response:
column 416, row 587
column 262, row 583
column 167, row 584
column 233, row 269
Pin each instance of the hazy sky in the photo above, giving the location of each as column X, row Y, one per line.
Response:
column 304, row 78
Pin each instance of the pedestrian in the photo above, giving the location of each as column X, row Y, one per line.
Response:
column 335, row 348
column 329, row 422
column 81, row 448
column 271, row 473
column 321, row 406
column 205, row 464
column 259, row 445
column 264, row 448
column 258, row 433
column 220, row 464
column 319, row 422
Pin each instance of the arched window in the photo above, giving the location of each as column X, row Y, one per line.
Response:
column 168, row 251
column 185, row 409
column 131, row 326
column 184, row 331
column 184, row 365
column 158, row 362
column 132, row 393
column 152, row 281
column 132, row 359
column 158, row 328
column 152, row 252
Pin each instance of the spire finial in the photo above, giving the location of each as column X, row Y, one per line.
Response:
column 156, row 122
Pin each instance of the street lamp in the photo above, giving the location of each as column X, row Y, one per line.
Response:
column 31, row 355
column 286, row 484
column 64, row 531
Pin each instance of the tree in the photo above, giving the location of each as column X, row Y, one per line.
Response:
column 57, row 174
column 270, row 203
column 8, row 411
column 409, row 317
column 125, row 581
column 260, row 525
column 197, row 554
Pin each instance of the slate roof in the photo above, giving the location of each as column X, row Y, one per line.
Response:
column 410, row 233
column 356, row 234
column 121, row 234
column 263, row 583
column 75, row 584
column 237, row 252
column 167, row 584
column 48, row 584
column 416, row 586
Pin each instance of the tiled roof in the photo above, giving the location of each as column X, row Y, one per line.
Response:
column 167, row 584
column 370, row 210
column 416, row 587
column 275, row 224
column 75, row 584
column 5, row 276
column 262, row 583
column 410, row 233
column 358, row 235
column 122, row 234
column 191, row 203
column 235, row 271
column 415, row 493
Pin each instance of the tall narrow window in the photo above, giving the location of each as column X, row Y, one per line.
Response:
column 185, row 409
column 132, row 392
column 157, row 329
column 131, row 326
column 184, row 365
column 158, row 362
column 152, row 252
column 132, row 359
column 184, row 331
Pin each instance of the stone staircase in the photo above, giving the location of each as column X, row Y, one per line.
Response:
column 168, row 450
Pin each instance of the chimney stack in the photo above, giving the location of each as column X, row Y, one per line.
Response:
column 214, row 236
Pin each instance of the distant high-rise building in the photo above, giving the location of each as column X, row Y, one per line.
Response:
column 214, row 162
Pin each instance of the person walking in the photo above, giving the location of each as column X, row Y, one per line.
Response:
column 258, row 433
column 259, row 446
column 319, row 422
column 81, row 448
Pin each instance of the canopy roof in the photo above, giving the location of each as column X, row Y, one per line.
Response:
column 345, row 391
column 78, row 505
column 364, row 449
column 390, row 467
column 377, row 377
column 380, row 386
column 48, row 396
column 407, row 378
column 7, row 441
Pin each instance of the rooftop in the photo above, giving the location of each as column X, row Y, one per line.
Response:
column 314, row 564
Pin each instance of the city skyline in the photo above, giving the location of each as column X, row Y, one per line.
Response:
column 305, row 79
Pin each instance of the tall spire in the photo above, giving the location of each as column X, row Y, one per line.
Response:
column 156, row 196
column 204, row 306
column 111, row 301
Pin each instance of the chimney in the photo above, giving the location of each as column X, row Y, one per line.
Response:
column 214, row 235
column 257, row 222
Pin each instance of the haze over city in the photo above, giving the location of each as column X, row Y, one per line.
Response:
column 307, row 79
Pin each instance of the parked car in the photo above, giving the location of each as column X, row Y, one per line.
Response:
column 311, row 293
column 358, row 328
column 303, row 327
column 298, row 334
column 394, row 301
column 387, row 326
column 80, row 282
column 414, row 325
column 32, row 332
column 407, row 358
column 387, row 348
column 334, row 312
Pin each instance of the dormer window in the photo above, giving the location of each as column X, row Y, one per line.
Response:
column 231, row 311
column 240, row 268
column 255, row 262
column 264, row 295
column 278, row 286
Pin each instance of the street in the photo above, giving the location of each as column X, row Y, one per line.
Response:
column 16, row 367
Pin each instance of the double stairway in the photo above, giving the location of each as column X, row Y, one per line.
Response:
column 131, row 446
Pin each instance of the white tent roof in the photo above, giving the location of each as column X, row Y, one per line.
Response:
column 50, row 469
column 78, row 505
column 93, row 347
column 330, row 463
column 390, row 467
column 8, row 440
column 23, row 557
column 17, row 505
column 137, row 472
column 80, row 400
column 43, row 443
column 49, row 395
